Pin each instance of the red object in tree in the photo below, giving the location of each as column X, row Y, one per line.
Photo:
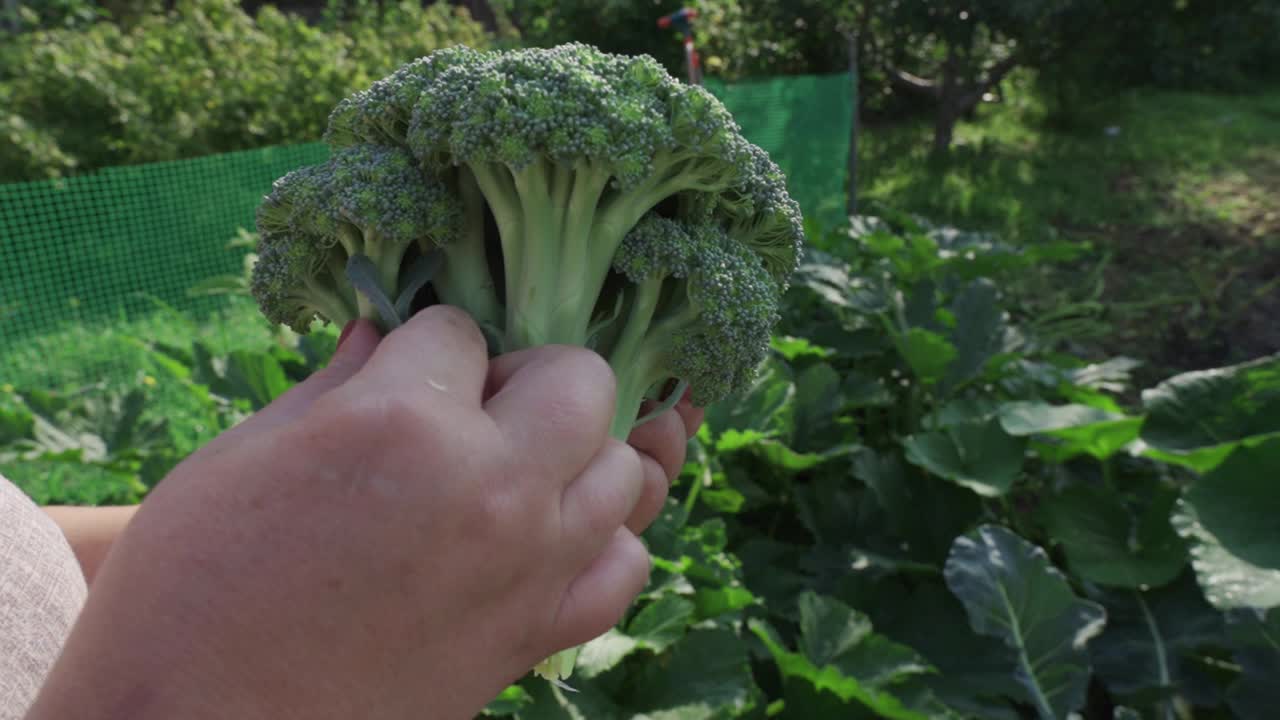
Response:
column 682, row 20
column 679, row 19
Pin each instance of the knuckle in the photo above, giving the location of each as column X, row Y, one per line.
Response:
column 395, row 414
column 669, row 442
column 589, row 397
column 381, row 421
column 588, row 366
column 454, row 320
column 615, row 499
column 626, row 460
column 592, row 368
column 493, row 514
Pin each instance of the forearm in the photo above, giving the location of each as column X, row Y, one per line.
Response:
column 141, row 647
column 91, row 531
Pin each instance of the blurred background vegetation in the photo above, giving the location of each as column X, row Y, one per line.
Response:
column 1052, row 206
column 1149, row 129
column 87, row 84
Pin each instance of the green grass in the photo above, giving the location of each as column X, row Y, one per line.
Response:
column 76, row 354
column 1176, row 192
column 1177, row 156
column 107, row 358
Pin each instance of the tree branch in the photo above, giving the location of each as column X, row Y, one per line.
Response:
column 993, row 76
column 914, row 83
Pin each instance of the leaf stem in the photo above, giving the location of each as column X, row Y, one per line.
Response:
column 1162, row 662
column 1043, row 707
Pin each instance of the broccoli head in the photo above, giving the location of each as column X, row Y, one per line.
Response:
column 560, row 195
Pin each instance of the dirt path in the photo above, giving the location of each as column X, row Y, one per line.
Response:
column 1214, row 276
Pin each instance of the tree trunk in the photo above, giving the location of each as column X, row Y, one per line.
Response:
column 11, row 10
column 944, row 126
column 481, row 13
column 851, row 201
column 956, row 100
column 948, row 113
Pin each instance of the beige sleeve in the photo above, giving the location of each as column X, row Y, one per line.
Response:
column 42, row 591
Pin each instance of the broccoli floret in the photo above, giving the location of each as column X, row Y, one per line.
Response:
column 570, row 148
column 700, row 308
column 380, row 115
column 562, row 195
column 366, row 201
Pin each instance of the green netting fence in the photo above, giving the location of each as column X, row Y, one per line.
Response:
column 84, row 254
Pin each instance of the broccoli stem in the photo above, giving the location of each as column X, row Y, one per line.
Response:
column 673, row 173
column 634, row 379
column 387, row 256
column 465, row 281
column 499, row 191
column 352, row 241
column 328, row 303
column 545, row 212
column 640, row 356
column 644, row 304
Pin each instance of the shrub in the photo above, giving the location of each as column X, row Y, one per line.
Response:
column 203, row 77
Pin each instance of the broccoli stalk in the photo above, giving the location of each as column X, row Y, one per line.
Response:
column 465, row 280
column 561, row 195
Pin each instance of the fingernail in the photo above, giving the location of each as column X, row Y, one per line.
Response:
column 346, row 330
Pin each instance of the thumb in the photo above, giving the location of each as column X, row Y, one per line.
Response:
column 355, row 347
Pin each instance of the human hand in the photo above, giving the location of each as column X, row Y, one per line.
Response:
column 407, row 531
column 662, row 443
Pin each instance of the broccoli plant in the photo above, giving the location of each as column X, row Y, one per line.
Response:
column 559, row 195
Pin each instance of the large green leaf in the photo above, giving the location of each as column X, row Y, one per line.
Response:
column 603, row 654
column 840, row 654
column 1012, row 592
column 832, row 633
column 825, row 506
column 764, row 407
column 1070, row 429
column 661, row 622
column 16, row 420
column 961, row 411
column 1111, row 375
column 817, row 401
column 864, row 389
column 1256, row 636
column 771, row 570
column 586, row 701
column 784, row 458
column 256, row 376
column 1231, row 518
column 979, row 330
column 704, row 675
column 508, row 702
column 714, row 602
column 1111, row 544
column 973, row 670
column 253, row 376
column 927, row 353
column 1197, row 418
column 1150, row 637
column 916, row 509
column 827, row 277
column 979, row 456
column 691, row 555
